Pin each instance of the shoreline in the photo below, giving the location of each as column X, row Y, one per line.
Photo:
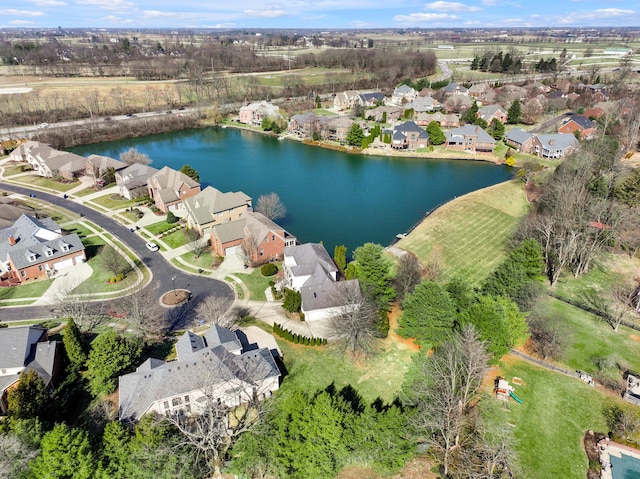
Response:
column 487, row 158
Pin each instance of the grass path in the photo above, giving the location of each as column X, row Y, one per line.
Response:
column 469, row 235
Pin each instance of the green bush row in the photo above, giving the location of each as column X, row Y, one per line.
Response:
column 286, row 334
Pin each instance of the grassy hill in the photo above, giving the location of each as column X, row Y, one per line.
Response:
column 469, row 235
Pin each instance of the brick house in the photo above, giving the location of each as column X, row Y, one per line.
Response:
column 168, row 188
column 582, row 124
column 132, row 180
column 305, row 125
column 489, row 112
column 212, row 207
column 254, row 113
column 262, row 239
column 470, row 138
column 547, row 146
column 384, row 114
column 336, row 129
column 408, row 136
column 33, row 249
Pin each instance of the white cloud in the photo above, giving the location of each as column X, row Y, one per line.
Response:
column 21, row 22
column 48, row 3
column 269, row 13
column 451, row 7
column 161, row 14
column 115, row 19
column 489, row 3
column 414, row 18
column 20, row 13
column 107, row 4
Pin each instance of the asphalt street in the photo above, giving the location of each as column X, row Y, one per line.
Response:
column 165, row 275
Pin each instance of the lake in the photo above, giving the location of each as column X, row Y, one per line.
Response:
column 330, row 196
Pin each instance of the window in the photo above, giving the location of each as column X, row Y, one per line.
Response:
column 22, row 273
column 176, row 402
column 40, row 268
column 166, row 405
column 31, row 257
column 186, row 398
column 188, row 408
column 64, row 247
column 261, row 252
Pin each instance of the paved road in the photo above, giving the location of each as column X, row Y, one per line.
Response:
column 163, row 271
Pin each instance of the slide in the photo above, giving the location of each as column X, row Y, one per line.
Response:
column 517, row 399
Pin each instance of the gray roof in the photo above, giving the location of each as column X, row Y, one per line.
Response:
column 328, row 294
column 25, row 347
column 308, row 257
column 581, row 120
column 36, row 237
column 210, row 201
column 9, row 212
column 558, row 141
column 490, row 110
column 202, row 362
column 103, row 162
column 468, row 131
column 230, row 231
column 170, row 181
column 518, row 135
column 254, row 224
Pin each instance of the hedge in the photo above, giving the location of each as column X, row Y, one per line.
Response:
column 295, row 338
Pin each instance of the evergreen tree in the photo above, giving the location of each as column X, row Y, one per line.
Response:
column 514, row 113
column 429, row 314
column 190, row 172
column 65, row 453
column 496, row 129
column 471, row 114
column 29, row 399
column 355, row 136
column 74, row 345
column 110, row 356
column 436, row 135
column 292, row 300
column 340, row 256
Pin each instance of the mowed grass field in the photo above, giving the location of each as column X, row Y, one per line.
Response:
column 469, row 235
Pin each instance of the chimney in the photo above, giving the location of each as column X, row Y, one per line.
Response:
column 12, row 240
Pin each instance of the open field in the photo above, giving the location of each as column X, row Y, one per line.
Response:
column 476, row 226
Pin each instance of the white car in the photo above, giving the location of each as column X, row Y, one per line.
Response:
column 152, row 246
column 43, row 125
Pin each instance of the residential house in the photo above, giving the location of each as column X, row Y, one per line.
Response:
column 305, row 125
column 96, row 166
column 168, row 188
column 211, row 206
column 132, row 180
column 578, row 123
column 346, row 100
column 32, row 249
column 254, row 236
column 455, row 89
column 27, row 348
column 509, row 93
column 369, row 100
column 309, row 269
column 402, row 95
column 478, row 89
column 254, row 113
column 424, row 104
column 408, row 136
column 470, row 138
column 547, row 146
column 458, row 103
column 49, row 162
column 10, row 211
column 595, row 112
column 336, row 128
column 445, row 120
column 489, row 112
column 216, row 366
column 384, row 114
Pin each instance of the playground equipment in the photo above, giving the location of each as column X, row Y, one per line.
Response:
column 504, row 391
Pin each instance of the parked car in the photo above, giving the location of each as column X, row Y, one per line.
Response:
column 43, row 125
column 152, row 246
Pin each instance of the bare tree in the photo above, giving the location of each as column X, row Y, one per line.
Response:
column 408, row 275
column 546, row 336
column 611, row 305
column 354, row 327
column 113, row 261
column 132, row 156
column 248, row 250
column 442, row 389
column 222, row 415
column 80, row 304
column 15, row 456
column 271, row 206
column 196, row 244
column 142, row 310
column 215, row 310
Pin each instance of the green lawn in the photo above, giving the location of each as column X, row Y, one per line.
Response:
column 313, row 368
column 98, row 281
column 15, row 170
column 469, row 235
column 28, row 290
column 556, row 412
column 205, row 260
column 84, row 192
column 46, row 183
column 176, row 239
column 113, row 201
column 587, row 337
column 159, row 227
column 256, row 284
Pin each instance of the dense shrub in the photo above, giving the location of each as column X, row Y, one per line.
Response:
column 268, row 269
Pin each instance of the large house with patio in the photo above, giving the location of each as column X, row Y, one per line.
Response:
column 213, row 207
column 32, row 249
column 547, row 146
column 254, row 236
column 254, row 113
column 132, row 180
column 309, row 269
column 168, row 189
column 49, row 162
column 218, row 366
column 469, row 138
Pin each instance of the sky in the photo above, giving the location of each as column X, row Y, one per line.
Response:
column 321, row 14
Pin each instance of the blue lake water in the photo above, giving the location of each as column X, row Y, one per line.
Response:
column 330, row 196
